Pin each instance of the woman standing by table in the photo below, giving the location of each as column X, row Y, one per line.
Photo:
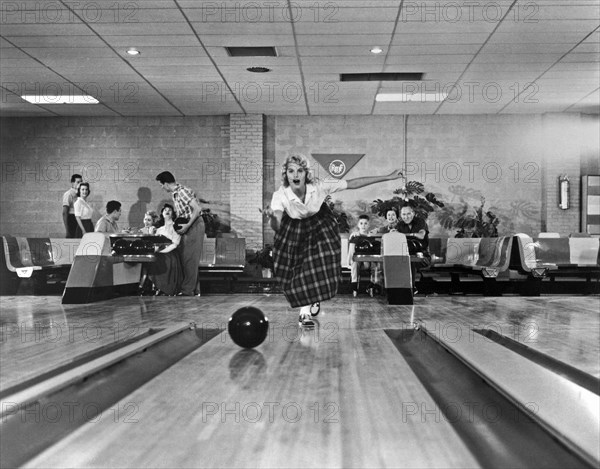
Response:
column 83, row 211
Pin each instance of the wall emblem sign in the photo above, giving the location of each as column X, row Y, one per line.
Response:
column 337, row 165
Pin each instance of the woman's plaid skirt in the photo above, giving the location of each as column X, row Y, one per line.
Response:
column 307, row 257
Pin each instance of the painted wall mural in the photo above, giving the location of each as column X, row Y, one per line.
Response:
column 464, row 160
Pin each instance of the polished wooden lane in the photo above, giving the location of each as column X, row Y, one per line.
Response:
column 334, row 397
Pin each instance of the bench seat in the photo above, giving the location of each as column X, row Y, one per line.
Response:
column 486, row 258
column 44, row 260
column 551, row 258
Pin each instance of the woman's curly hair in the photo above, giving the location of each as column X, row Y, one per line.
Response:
column 301, row 161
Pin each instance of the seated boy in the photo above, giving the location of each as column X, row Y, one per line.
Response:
column 357, row 236
column 108, row 223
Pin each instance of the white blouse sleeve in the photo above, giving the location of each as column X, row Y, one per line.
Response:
column 277, row 201
column 78, row 208
column 67, row 199
column 176, row 238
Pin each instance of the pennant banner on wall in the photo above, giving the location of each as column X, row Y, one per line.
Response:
column 337, row 164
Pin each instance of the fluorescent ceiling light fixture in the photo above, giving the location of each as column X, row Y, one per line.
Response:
column 133, row 51
column 411, row 97
column 376, row 50
column 61, row 99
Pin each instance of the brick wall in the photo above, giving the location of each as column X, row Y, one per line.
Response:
column 246, row 192
column 120, row 157
column 234, row 162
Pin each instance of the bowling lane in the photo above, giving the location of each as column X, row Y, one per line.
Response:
column 38, row 333
column 566, row 328
column 329, row 397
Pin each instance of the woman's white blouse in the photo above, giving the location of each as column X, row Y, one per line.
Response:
column 169, row 232
column 284, row 198
column 82, row 209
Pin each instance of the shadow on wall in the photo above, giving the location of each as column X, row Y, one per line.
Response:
column 98, row 205
column 138, row 209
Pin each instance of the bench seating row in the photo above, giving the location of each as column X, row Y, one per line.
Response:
column 42, row 259
column 552, row 258
column 531, row 259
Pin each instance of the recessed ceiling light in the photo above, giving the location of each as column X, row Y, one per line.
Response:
column 133, row 51
column 412, row 97
column 60, row 99
column 258, row 69
column 376, row 50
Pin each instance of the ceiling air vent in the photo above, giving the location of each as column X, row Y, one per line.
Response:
column 251, row 51
column 381, row 76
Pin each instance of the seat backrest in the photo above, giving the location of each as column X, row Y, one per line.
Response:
column 495, row 252
column 524, row 252
column 552, row 250
column 209, row 252
column 41, row 251
column 548, row 235
column 63, row 250
column 584, row 251
column 345, row 248
column 20, row 251
column 14, row 255
column 437, row 250
column 463, row 251
column 230, row 252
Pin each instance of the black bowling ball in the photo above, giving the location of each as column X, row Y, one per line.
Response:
column 138, row 247
column 248, row 327
column 121, row 246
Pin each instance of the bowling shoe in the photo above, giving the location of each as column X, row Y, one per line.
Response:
column 305, row 320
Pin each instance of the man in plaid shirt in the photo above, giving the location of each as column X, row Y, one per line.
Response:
column 192, row 232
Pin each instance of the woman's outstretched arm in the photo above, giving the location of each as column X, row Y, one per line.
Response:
column 357, row 183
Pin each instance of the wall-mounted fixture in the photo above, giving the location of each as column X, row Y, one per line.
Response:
column 563, row 192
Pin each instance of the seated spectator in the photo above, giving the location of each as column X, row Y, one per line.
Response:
column 417, row 236
column 151, row 220
column 108, row 223
column 361, row 233
column 166, row 273
column 391, row 219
